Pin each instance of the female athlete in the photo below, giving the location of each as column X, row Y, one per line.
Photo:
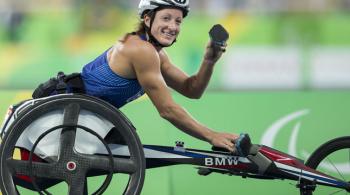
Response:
column 138, row 64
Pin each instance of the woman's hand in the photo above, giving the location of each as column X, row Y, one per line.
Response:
column 223, row 140
column 213, row 52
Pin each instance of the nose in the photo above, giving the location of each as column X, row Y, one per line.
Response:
column 173, row 25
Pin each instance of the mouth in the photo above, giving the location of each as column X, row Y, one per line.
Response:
column 168, row 35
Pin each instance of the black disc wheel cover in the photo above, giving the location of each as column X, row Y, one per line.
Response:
column 72, row 104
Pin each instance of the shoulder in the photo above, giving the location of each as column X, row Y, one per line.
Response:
column 134, row 45
column 139, row 50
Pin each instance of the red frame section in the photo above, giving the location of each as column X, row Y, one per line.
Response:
column 287, row 159
column 25, row 156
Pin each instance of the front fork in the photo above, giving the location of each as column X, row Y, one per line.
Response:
column 306, row 188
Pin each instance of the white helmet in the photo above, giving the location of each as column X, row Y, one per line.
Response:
column 154, row 4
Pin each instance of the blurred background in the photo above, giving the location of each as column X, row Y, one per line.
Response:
column 287, row 63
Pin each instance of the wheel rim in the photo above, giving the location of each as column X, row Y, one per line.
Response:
column 137, row 161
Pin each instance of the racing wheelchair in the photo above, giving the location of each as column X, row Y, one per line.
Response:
column 70, row 137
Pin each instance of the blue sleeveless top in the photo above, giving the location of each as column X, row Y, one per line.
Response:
column 100, row 81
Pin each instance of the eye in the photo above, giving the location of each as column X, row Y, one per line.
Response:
column 178, row 21
column 166, row 18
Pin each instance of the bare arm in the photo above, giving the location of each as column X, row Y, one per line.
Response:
column 148, row 71
column 193, row 86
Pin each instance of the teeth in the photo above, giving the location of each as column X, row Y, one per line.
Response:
column 168, row 34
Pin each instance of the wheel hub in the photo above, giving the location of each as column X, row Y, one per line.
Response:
column 71, row 166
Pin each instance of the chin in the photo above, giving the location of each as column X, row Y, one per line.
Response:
column 167, row 42
column 164, row 41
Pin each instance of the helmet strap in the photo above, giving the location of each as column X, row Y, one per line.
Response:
column 150, row 37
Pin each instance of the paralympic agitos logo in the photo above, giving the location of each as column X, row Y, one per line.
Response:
column 270, row 135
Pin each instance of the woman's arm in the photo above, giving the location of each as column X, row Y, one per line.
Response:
column 148, row 71
column 193, row 86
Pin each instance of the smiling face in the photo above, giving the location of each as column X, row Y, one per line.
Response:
column 166, row 25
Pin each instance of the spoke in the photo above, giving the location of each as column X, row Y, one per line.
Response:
column 44, row 170
column 77, row 186
column 86, row 192
column 336, row 192
column 67, row 139
column 329, row 160
column 71, row 114
column 120, row 165
column 349, row 166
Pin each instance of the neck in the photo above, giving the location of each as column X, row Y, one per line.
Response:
column 154, row 42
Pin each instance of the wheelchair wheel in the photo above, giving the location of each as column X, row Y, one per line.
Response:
column 62, row 139
column 332, row 158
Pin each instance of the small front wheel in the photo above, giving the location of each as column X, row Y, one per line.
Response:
column 331, row 158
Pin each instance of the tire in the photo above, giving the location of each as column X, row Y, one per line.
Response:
column 326, row 159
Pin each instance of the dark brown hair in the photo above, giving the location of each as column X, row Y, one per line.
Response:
column 141, row 28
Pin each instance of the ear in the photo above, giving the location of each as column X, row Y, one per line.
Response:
column 147, row 20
